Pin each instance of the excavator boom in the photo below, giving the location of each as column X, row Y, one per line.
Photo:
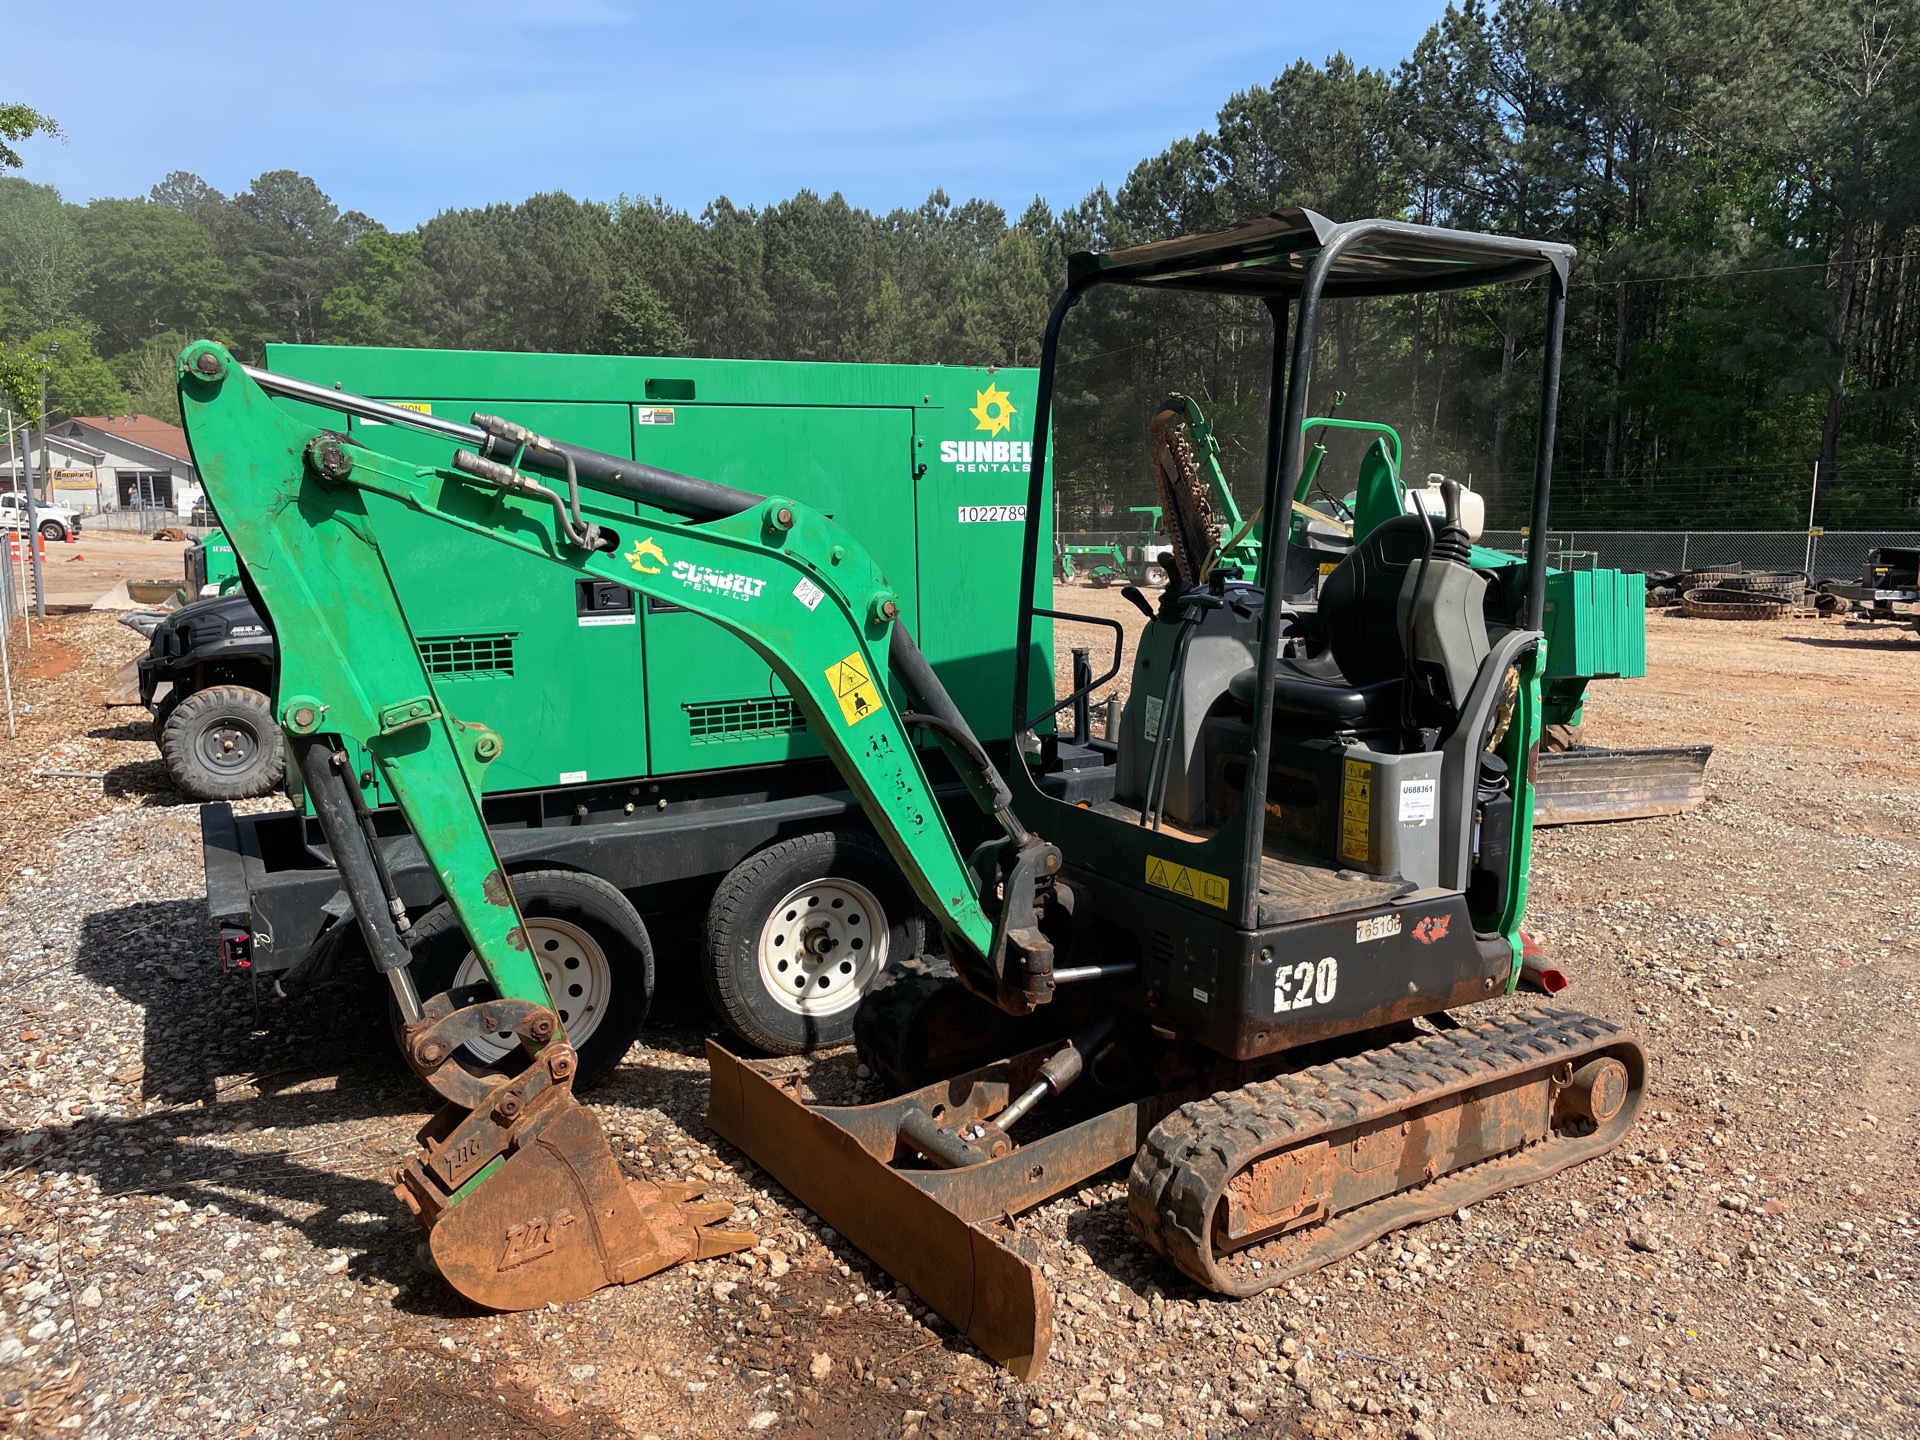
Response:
column 515, row 1181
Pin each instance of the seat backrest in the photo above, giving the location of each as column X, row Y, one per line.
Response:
column 1359, row 604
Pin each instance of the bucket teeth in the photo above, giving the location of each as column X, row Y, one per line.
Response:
column 676, row 1189
column 709, row 1242
column 557, row 1221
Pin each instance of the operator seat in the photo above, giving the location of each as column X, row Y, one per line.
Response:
column 1352, row 678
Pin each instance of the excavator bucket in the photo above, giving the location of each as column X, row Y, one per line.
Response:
column 557, row 1221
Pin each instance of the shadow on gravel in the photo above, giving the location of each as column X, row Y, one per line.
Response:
column 139, row 729
column 146, row 781
column 223, row 1065
column 1865, row 640
column 224, row 1057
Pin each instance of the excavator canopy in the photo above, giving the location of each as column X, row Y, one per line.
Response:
column 1269, row 255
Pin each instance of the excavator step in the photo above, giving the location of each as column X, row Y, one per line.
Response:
column 1252, row 1187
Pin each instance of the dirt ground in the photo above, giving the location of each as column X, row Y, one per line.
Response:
column 78, row 572
column 198, row 1238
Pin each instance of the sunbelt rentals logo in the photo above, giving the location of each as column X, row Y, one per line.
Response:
column 993, row 411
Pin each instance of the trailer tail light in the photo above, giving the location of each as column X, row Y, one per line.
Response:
column 236, row 949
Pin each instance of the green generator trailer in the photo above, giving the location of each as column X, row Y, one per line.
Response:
column 624, row 722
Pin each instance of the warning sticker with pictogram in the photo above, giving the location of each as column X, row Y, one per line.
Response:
column 1356, row 811
column 1187, row 881
column 853, row 688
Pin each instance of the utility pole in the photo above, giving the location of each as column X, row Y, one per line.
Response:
column 19, row 484
column 1813, row 504
column 30, row 540
column 46, row 457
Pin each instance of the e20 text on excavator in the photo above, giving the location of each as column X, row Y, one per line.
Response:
column 1242, row 976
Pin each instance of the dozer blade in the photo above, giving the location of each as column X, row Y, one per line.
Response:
column 944, row 1233
column 557, row 1220
column 1574, row 787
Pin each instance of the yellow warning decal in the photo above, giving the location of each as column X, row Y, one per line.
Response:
column 853, row 688
column 1356, row 810
column 1185, row 880
column 419, row 407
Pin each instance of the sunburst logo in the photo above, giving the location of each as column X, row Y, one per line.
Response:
column 993, row 408
column 644, row 550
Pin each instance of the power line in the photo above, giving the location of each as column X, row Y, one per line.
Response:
column 1754, row 270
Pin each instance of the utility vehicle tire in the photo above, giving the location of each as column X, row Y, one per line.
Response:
column 800, row 931
column 52, row 530
column 1557, row 738
column 222, row 743
column 593, row 950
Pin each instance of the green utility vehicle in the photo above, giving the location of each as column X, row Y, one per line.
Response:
column 1130, row 561
column 648, row 755
column 1264, row 950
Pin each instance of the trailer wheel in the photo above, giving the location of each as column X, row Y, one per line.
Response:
column 593, row 951
column 800, row 931
column 222, row 743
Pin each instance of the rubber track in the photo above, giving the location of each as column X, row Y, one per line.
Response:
column 1182, row 1171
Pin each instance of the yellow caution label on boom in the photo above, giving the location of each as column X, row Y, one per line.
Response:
column 853, row 688
column 1185, row 880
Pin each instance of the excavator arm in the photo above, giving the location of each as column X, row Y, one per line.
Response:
column 515, row 1181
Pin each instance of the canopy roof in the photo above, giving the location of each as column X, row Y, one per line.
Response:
column 1269, row 255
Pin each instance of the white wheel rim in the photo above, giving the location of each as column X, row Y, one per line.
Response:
column 577, row 974
column 822, row 946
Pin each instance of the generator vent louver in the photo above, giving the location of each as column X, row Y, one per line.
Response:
column 712, row 721
column 468, row 655
column 1160, row 946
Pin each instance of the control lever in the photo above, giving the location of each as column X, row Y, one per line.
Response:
column 1140, row 601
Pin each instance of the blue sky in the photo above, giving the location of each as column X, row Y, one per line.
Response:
column 404, row 109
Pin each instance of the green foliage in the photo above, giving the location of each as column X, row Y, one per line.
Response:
column 19, row 382
column 21, row 122
column 79, row 382
column 150, row 269
column 149, row 376
column 639, row 323
column 1738, row 176
column 41, row 257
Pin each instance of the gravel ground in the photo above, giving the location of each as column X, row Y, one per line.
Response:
column 199, row 1239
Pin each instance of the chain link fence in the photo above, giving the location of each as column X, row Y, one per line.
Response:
column 1834, row 555
column 144, row 521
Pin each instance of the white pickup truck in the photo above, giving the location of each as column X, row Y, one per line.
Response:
column 56, row 522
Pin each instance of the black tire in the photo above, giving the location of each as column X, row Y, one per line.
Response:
column 52, row 530
column 587, row 906
column 222, row 743
column 832, row 960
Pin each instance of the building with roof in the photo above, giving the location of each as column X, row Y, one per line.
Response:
column 115, row 462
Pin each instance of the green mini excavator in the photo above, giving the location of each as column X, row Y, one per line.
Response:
column 1244, row 976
